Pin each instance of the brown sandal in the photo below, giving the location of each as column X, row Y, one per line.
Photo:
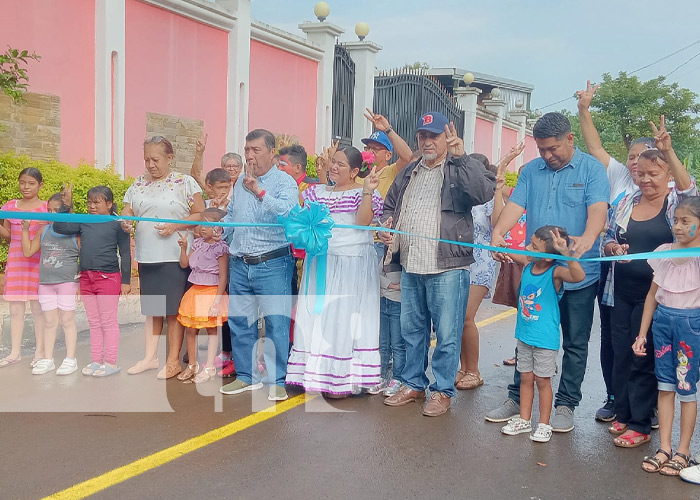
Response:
column 470, row 381
column 460, row 375
column 655, row 462
column 674, row 465
column 189, row 372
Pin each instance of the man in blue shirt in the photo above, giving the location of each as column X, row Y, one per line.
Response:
column 567, row 188
column 260, row 269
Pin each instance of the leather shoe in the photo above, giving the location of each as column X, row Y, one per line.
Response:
column 404, row 396
column 437, row 405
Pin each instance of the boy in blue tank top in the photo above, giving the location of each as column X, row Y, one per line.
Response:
column 537, row 327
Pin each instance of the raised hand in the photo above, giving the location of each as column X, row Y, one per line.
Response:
column 455, row 144
column 586, row 96
column 250, row 181
column 182, row 240
column 662, row 139
column 201, row 143
column 559, row 243
column 378, row 121
column 371, row 181
column 514, row 152
column 67, row 194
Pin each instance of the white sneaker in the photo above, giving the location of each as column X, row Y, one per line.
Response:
column 516, row 425
column 43, row 366
column 542, row 434
column 393, row 388
column 691, row 474
column 68, row 366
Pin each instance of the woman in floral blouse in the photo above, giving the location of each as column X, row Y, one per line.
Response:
column 161, row 194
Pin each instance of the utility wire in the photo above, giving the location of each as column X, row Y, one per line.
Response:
column 643, row 67
column 681, row 65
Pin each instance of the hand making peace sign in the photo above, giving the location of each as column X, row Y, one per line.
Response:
column 455, row 144
column 379, row 121
column 662, row 139
column 586, row 96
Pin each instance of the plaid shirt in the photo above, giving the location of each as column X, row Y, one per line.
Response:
column 420, row 214
column 621, row 218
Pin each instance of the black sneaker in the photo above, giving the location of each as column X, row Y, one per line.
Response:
column 607, row 412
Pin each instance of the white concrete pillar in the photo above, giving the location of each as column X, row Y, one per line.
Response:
column 238, row 78
column 467, row 101
column 110, row 83
column 323, row 35
column 520, row 117
column 363, row 54
column 496, row 106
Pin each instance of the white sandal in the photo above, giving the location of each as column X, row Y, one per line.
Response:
column 205, row 375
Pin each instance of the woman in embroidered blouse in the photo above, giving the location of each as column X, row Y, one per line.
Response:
column 337, row 351
column 161, row 194
column 641, row 222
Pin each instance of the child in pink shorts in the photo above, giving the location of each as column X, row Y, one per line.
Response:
column 58, row 285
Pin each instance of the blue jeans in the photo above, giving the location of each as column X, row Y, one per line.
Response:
column 391, row 344
column 267, row 286
column 576, row 309
column 440, row 299
column 676, row 335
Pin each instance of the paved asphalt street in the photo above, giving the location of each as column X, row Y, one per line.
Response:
column 59, row 432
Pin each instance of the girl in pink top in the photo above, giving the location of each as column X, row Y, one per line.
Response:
column 22, row 273
column 674, row 303
column 205, row 304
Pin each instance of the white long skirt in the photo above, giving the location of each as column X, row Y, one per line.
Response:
column 337, row 351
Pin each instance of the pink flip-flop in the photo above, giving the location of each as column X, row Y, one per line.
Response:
column 9, row 361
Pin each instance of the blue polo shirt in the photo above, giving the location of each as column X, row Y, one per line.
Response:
column 561, row 198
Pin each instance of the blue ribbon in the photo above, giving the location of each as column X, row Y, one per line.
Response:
column 309, row 228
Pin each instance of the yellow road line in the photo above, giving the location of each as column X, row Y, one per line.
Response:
column 487, row 321
column 121, row 474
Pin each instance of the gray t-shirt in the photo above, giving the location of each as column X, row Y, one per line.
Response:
column 59, row 258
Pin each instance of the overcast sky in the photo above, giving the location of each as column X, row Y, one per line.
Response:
column 553, row 44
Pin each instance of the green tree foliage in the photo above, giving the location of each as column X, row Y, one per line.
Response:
column 623, row 107
column 13, row 76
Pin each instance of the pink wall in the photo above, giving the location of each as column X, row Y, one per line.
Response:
column 530, row 152
column 65, row 39
column 283, row 93
column 483, row 138
column 174, row 66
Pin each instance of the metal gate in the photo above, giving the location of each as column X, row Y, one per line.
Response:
column 404, row 95
column 343, row 95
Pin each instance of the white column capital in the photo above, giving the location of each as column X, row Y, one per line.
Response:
column 467, row 98
column 496, row 106
column 362, row 46
column 316, row 30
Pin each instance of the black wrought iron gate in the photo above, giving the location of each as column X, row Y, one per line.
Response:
column 343, row 95
column 404, row 95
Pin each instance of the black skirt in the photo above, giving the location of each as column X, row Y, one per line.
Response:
column 162, row 286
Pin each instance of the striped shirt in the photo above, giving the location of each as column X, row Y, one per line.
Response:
column 281, row 194
column 420, row 214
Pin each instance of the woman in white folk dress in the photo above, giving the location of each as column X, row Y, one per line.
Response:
column 336, row 351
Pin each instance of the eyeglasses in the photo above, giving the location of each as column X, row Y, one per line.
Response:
column 375, row 149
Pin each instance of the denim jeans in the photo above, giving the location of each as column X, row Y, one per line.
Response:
column 267, row 286
column 576, row 309
column 391, row 344
column 440, row 299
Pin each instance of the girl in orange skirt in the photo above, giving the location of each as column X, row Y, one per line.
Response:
column 205, row 304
